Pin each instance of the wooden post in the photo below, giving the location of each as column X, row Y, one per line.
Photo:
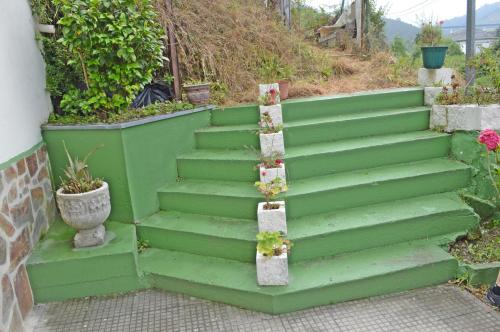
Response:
column 172, row 49
column 470, row 44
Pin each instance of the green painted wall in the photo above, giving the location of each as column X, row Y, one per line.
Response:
column 481, row 193
column 135, row 161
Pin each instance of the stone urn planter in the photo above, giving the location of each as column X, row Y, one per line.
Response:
column 269, row 174
column 86, row 212
column 272, row 270
column 274, row 112
column 272, row 220
column 465, row 117
column 272, row 144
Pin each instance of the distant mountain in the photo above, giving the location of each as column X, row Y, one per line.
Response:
column 399, row 28
column 487, row 14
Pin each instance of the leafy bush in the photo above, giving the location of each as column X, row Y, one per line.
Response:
column 430, row 34
column 117, row 44
column 270, row 190
column 271, row 244
column 398, row 47
column 77, row 176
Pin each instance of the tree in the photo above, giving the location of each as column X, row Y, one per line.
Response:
column 398, row 47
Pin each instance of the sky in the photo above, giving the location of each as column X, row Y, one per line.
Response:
column 412, row 11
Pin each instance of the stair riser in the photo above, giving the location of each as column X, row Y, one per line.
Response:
column 317, row 133
column 320, row 164
column 422, row 276
column 333, row 131
column 382, row 235
column 199, row 244
column 321, row 107
column 318, row 202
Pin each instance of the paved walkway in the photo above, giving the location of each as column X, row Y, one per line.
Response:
column 442, row 308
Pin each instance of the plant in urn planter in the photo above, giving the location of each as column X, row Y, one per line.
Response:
column 272, row 167
column 272, row 259
column 271, row 136
column 271, row 216
column 430, row 38
column 83, row 202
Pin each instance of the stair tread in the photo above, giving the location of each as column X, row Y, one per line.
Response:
column 321, row 183
column 221, row 227
column 320, row 120
column 320, row 224
column 303, row 275
column 317, row 148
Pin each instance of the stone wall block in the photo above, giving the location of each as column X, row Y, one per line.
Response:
column 43, row 174
column 22, row 213
column 21, row 167
column 6, row 225
column 37, row 198
column 16, row 322
column 19, row 248
column 22, row 289
column 32, row 163
column 3, row 250
column 41, row 224
column 10, row 174
column 42, row 154
column 7, row 298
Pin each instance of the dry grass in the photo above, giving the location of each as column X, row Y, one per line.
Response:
column 235, row 42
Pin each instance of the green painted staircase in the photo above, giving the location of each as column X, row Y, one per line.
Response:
column 372, row 198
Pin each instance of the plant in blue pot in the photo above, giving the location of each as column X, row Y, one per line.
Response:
column 430, row 39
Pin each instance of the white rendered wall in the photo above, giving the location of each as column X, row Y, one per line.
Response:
column 24, row 102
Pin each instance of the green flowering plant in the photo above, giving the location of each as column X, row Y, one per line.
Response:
column 270, row 190
column 271, row 244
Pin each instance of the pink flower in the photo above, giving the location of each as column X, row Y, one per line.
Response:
column 263, row 173
column 441, row 22
column 490, row 138
column 272, row 92
column 279, row 161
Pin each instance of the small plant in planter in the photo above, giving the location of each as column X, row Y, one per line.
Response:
column 271, row 216
column 269, row 107
column 84, row 202
column 272, row 167
column 198, row 92
column 271, row 136
column 272, row 259
column 430, row 39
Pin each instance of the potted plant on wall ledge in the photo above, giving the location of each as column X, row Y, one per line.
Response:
column 84, row 202
column 271, row 168
column 430, row 37
column 271, row 216
column 198, row 92
column 271, row 137
column 272, row 259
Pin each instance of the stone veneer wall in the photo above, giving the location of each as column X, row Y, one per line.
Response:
column 27, row 207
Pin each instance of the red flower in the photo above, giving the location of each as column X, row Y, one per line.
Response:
column 490, row 138
column 263, row 173
column 278, row 162
column 273, row 92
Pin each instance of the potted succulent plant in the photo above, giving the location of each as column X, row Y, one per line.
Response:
column 271, row 137
column 272, row 259
column 271, row 216
column 430, row 37
column 83, row 202
column 198, row 93
column 271, row 168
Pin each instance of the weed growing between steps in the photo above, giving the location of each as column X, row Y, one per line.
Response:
column 123, row 116
column 479, row 246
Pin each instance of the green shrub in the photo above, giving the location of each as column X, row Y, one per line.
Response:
column 117, row 44
column 429, row 35
column 398, row 47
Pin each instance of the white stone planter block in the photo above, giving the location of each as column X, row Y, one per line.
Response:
column 274, row 112
column 465, row 117
column 430, row 94
column 430, row 77
column 264, row 88
column 272, row 220
column 269, row 174
column 272, row 271
column 272, row 144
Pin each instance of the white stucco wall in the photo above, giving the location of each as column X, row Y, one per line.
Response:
column 24, row 102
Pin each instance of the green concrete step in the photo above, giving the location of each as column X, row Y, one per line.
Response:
column 314, row 236
column 316, row 130
column 312, row 283
column 318, row 159
column 57, row 271
column 319, row 194
column 307, row 108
